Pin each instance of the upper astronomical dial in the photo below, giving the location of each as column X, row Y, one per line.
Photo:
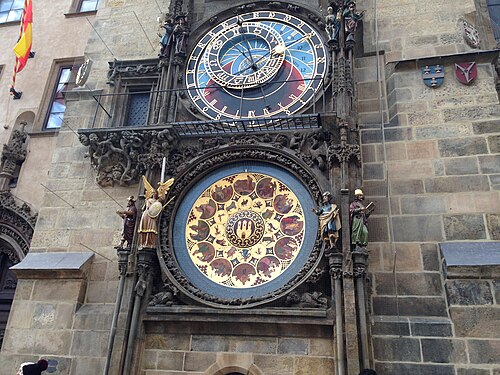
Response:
column 231, row 63
column 256, row 65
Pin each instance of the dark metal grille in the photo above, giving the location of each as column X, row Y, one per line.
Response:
column 138, row 109
column 296, row 122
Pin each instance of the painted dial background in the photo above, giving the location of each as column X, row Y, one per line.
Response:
column 245, row 230
column 281, row 91
column 208, row 255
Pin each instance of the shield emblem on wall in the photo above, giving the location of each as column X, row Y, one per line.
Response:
column 466, row 73
column 433, row 75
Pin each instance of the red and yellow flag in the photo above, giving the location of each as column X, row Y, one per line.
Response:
column 23, row 47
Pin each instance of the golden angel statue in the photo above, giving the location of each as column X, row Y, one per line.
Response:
column 153, row 205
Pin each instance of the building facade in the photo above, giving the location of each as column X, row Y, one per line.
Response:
column 261, row 120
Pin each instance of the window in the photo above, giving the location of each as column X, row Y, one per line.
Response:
column 64, row 81
column 11, row 10
column 494, row 10
column 88, row 5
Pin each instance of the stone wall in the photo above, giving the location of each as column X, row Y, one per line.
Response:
column 434, row 179
column 206, row 354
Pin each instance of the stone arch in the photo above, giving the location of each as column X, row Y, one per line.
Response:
column 232, row 364
column 27, row 119
column 17, row 224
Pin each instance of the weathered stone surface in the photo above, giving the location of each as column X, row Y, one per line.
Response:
column 373, row 171
column 443, row 351
column 484, row 351
column 417, row 228
column 57, row 290
column 473, row 371
column 44, row 316
column 371, row 136
column 273, row 364
column 263, row 345
column 194, row 361
column 167, row 342
column 462, row 146
column 94, row 317
column 54, row 342
column 390, row 326
column 442, row 131
column 89, row 343
column 468, row 292
column 313, row 365
column 412, row 306
column 203, row 343
column 293, row 346
column 396, row 349
column 424, row 284
column 431, row 327
column 87, row 365
column 455, row 184
column 407, row 257
column 422, row 150
column 170, row 360
column 378, row 230
column 403, row 187
column 406, row 368
column 422, row 205
column 321, row 347
column 464, row 227
column 149, row 359
column 496, row 290
column 484, row 127
column 461, row 166
column 430, row 257
column 489, row 164
column 494, row 144
column 475, row 322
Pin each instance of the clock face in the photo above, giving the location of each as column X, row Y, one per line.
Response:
column 244, row 231
column 256, row 65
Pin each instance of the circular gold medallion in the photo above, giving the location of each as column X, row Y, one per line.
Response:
column 245, row 230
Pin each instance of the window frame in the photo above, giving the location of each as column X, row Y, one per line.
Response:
column 44, row 110
column 7, row 21
column 76, row 8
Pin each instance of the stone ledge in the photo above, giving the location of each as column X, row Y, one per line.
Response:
column 471, row 259
column 53, row 266
column 270, row 315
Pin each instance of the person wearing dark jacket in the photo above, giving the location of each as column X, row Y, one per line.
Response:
column 34, row 368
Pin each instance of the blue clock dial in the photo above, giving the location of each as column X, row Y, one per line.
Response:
column 256, row 65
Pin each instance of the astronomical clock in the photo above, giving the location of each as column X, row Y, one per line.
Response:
column 242, row 231
column 256, row 65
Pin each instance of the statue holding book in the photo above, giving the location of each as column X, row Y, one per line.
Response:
column 359, row 214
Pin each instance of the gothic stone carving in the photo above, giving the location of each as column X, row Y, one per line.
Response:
column 14, row 152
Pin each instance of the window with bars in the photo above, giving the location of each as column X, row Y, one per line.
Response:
column 65, row 80
column 11, row 10
column 494, row 11
column 138, row 108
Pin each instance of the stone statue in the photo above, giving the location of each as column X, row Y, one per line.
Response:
column 332, row 25
column 306, row 299
column 153, row 205
column 359, row 219
column 166, row 39
column 329, row 220
column 129, row 217
column 180, row 35
column 351, row 19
